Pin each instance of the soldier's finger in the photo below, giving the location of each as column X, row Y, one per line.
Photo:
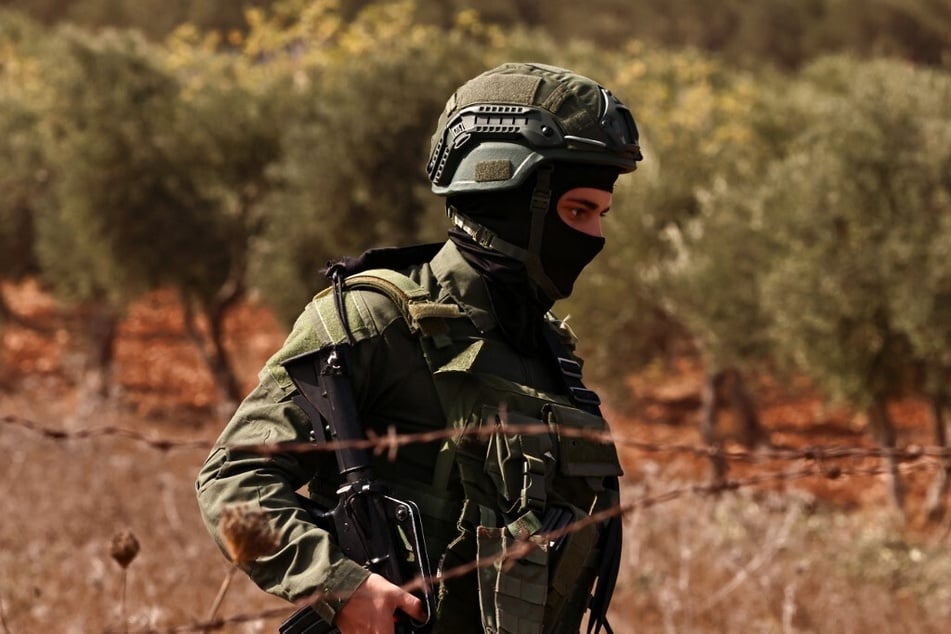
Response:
column 412, row 606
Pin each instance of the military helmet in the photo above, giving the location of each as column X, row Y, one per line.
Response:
column 500, row 126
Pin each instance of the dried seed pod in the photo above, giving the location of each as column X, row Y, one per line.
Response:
column 124, row 547
column 247, row 534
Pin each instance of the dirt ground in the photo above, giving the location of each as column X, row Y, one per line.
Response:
column 162, row 391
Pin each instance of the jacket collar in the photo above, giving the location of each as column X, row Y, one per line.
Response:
column 459, row 281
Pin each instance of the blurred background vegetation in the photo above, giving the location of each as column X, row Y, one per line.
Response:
column 792, row 220
column 793, row 212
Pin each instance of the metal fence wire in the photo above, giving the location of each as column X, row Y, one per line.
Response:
column 832, row 462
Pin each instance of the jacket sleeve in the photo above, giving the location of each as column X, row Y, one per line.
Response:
column 307, row 560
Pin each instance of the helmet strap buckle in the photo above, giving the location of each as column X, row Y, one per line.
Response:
column 541, row 199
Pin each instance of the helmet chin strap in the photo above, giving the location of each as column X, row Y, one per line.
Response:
column 530, row 257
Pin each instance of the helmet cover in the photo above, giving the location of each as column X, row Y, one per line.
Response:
column 499, row 127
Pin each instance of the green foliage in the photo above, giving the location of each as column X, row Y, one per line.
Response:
column 115, row 225
column 786, row 33
column 712, row 285
column 696, row 131
column 366, row 101
column 862, row 203
column 158, row 161
column 818, row 235
column 154, row 18
column 23, row 175
column 786, row 217
column 831, row 245
column 228, row 138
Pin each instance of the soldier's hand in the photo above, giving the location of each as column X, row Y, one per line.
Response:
column 371, row 607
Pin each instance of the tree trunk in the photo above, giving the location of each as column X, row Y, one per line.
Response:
column 212, row 350
column 215, row 309
column 884, row 430
column 216, row 327
column 935, row 502
column 101, row 327
column 6, row 313
column 728, row 412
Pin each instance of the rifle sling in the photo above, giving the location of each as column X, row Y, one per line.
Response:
column 310, row 396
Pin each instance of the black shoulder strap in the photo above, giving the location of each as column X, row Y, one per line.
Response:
column 609, row 543
column 570, row 372
column 609, row 546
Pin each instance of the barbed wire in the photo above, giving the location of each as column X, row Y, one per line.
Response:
column 391, row 442
column 821, row 461
column 53, row 433
column 521, row 548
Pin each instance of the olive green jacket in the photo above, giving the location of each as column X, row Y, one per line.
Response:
column 394, row 387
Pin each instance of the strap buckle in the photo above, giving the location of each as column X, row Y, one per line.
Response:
column 483, row 236
column 585, row 396
column 569, row 367
column 533, row 492
column 541, row 200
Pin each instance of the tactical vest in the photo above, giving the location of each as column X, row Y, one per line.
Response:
column 516, row 485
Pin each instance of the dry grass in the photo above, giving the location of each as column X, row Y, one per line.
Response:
column 63, row 501
column 755, row 561
column 779, row 560
column 747, row 561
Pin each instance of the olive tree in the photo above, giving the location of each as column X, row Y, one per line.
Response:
column 229, row 137
column 692, row 114
column 23, row 175
column 114, row 180
column 157, row 162
column 858, row 208
column 353, row 172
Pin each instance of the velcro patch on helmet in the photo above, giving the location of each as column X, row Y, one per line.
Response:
column 581, row 122
column 513, row 89
column 488, row 171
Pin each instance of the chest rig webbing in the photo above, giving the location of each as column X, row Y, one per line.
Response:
column 520, row 475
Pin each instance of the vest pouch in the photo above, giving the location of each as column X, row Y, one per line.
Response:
column 580, row 455
column 513, row 590
column 583, row 462
column 519, row 464
column 586, row 462
column 573, row 567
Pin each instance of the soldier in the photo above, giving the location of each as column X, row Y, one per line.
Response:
column 459, row 336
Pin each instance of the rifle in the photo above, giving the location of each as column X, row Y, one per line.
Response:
column 378, row 531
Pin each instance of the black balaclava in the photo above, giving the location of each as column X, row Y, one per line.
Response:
column 518, row 301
